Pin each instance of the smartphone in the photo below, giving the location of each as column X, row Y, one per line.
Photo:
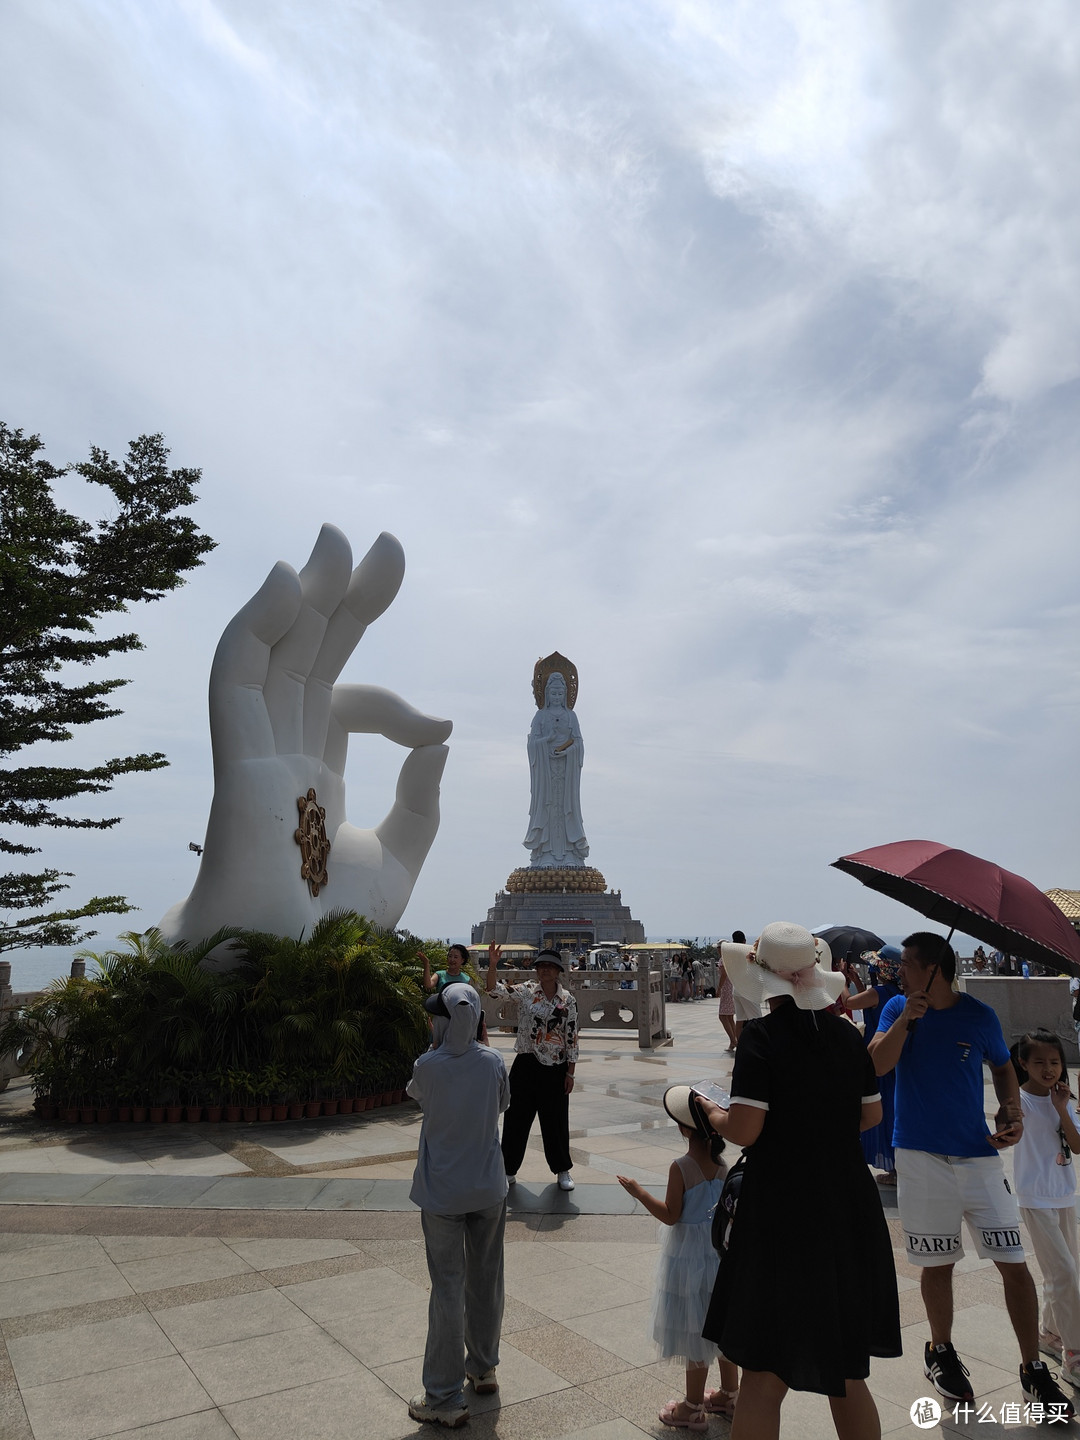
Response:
column 712, row 1091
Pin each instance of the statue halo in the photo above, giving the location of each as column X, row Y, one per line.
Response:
column 550, row 665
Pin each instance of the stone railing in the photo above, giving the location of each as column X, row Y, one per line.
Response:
column 9, row 1066
column 1022, row 1005
column 602, row 1002
column 15, row 1000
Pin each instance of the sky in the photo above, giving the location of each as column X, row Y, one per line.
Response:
column 731, row 349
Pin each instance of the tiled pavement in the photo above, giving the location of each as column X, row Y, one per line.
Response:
column 270, row 1281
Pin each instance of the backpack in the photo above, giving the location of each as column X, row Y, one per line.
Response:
column 1076, row 1007
column 724, row 1213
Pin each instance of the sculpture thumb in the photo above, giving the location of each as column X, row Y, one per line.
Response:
column 413, row 821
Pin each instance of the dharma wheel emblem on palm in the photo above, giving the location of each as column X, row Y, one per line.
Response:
column 311, row 837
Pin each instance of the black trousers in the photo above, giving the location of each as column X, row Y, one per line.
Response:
column 537, row 1089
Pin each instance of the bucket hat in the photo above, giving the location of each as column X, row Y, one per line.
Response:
column 549, row 957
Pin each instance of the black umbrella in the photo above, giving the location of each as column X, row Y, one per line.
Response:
column 847, row 942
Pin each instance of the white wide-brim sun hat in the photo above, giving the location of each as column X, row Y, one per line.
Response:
column 784, row 960
column 677, row 1105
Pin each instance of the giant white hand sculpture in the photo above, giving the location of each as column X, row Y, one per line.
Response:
column 280, row 726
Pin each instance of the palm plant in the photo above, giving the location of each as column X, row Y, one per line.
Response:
column 170, row 1010
column 326, row 1012
column 328, row 1000
column 65, row 1041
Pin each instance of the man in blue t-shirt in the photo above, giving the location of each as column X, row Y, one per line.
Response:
column 947, row 1162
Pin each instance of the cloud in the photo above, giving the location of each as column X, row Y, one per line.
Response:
column 730, row 350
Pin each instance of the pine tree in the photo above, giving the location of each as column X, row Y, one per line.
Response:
column 58, row 575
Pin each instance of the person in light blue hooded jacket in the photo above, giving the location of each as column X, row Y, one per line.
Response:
column 460, row 1186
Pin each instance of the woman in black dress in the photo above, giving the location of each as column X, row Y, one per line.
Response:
column 806, row 1291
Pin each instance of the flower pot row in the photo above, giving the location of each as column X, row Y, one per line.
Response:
column 173, row 1114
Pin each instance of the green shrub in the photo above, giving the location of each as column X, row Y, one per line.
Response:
column 339, row 1010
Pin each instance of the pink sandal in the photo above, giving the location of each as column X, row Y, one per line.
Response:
column 696, row 1420
column 721, row 1402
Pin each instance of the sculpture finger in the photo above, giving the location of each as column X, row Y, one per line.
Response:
column 323, row 582
column 240, row 727
column 371, row 710
column 371, row 589
column 413, row 821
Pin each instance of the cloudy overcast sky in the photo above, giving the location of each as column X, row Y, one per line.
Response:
column 732, row 349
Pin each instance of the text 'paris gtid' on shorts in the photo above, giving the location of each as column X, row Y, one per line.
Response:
column 936, row 1193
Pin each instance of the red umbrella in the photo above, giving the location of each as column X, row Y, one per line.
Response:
column 972, row 895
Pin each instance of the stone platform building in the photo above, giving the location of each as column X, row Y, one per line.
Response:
column 557, row 908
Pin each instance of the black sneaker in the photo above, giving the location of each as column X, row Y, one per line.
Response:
column 1038, row 1383
column 947, row 1372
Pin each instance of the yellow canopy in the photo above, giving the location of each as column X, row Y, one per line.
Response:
column 483, row 948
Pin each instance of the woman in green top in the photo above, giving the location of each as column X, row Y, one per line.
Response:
column 456, row 957
column 454, row 974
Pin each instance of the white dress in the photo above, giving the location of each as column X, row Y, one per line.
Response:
column 686, row 1271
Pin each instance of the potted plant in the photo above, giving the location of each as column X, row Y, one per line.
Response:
column 87, row 1103
column 106, row 1106
column 173, row 1083
column 242, row 1087
column 382, row 1096
column 312, row 1106
column 271, row 1087
column 239, row 1092
column 127, row 1092
column 329, row 1097
column 264, row 1080
column 214, row 1085
column 44, row 1080
column 296, row 1081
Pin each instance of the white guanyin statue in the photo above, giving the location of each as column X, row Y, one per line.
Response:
column 556, row 836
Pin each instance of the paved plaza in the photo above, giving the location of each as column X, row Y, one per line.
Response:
column 251, row 1282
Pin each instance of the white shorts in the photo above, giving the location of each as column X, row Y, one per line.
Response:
column 935, row 1193
column 746, row 1009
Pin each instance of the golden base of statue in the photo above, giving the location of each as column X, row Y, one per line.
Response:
column 575, row 879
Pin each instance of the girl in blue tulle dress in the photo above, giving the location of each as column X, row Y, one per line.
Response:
column 687, row 1270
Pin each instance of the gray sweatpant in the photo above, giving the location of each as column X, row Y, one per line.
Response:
column 465, row 1310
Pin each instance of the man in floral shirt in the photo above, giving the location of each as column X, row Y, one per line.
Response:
column 542, row 1075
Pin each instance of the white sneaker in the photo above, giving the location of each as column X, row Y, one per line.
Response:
column 565, row 1180
column 453, row 1417
column 511, row 1179
column 1050, row 1344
